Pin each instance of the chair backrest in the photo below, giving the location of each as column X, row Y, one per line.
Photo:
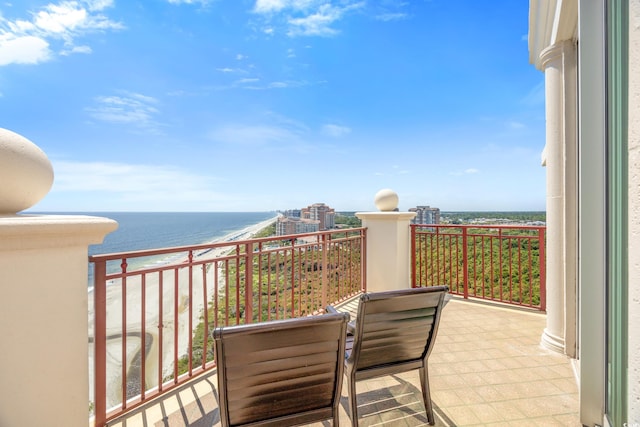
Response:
column 396, row 327
column 278, row 373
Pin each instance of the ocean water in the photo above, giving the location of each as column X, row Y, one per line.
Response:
column 151, row 230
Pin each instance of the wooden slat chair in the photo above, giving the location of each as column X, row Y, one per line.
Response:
column 281, row 373
column 394, row 332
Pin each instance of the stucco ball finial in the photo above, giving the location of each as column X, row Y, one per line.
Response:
column 386, row 200
column 26, row 173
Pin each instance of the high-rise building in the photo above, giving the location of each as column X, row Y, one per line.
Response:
column 286, row 226
column 292, row 213
column 426, row 215
column 320, row 212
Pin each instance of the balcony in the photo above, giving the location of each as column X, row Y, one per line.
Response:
column 487, row 365
column 487, row 368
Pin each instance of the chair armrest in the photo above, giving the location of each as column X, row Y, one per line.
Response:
column 351, row 326
column 331, row 309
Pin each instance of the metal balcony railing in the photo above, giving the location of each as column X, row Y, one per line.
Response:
column 499, row 263
column 154, row 310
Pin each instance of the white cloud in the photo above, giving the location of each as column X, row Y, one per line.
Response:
column 230, row 70
column 273, row 132
column 267, row 6
column 316, row 24
column 23, row 50
column 201, row 2
column 254, row 84
column 53, row 28
column 247, row 80
column 255, row 135
column 123, row 186
column 305, row 17
column 130, row 108
column 398, row 16
column 60, row 19
column 77, row 49
column 335, row 131
column 469, row 171
column 117, row 177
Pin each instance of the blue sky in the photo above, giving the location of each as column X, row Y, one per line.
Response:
column 256, row 105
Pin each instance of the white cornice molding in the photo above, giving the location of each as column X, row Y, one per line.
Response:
column 550, row 22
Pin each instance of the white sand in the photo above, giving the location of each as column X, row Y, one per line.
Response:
column 152, row 321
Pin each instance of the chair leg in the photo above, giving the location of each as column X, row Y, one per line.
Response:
column 353, row 400
column 426, row 394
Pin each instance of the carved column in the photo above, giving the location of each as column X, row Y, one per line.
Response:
column 560, row 159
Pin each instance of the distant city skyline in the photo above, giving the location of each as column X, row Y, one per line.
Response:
column 264, row 105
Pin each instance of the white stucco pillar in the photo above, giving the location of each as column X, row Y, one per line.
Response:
column 43, row 318
column 388, row 244
column 560, row 159
column 44, row 370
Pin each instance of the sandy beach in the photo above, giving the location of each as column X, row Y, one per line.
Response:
column 175, row 325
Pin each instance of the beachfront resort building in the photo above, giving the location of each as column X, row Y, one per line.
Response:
column 292, row 225
column 320, row 212
column 292, row 213
column 426, row 215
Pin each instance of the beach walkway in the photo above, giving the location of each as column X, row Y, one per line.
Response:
column 487, row 369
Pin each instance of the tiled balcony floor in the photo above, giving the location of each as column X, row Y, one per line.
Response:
column 487, row 369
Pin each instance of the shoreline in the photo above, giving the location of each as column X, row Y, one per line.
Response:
column 169, row 296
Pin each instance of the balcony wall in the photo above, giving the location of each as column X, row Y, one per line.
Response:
column 43, row 318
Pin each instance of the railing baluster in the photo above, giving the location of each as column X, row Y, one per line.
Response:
column 123, row 334
column 465, row 257
column 190, row 338
column 205, row 338
column 143, row 335
column 248, row 282
column 160, row 328
column 176, row 308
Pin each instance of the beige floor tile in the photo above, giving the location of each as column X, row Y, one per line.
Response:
column 487, row 369
column 445, row 398
column 472, row 379
column 486, row 413
column 489, row 393
column 569, row 420
column 508, row 411
column 468, row 396
column 537, row 389
column 531, row 408
column 565, row 385
column 462, row 416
